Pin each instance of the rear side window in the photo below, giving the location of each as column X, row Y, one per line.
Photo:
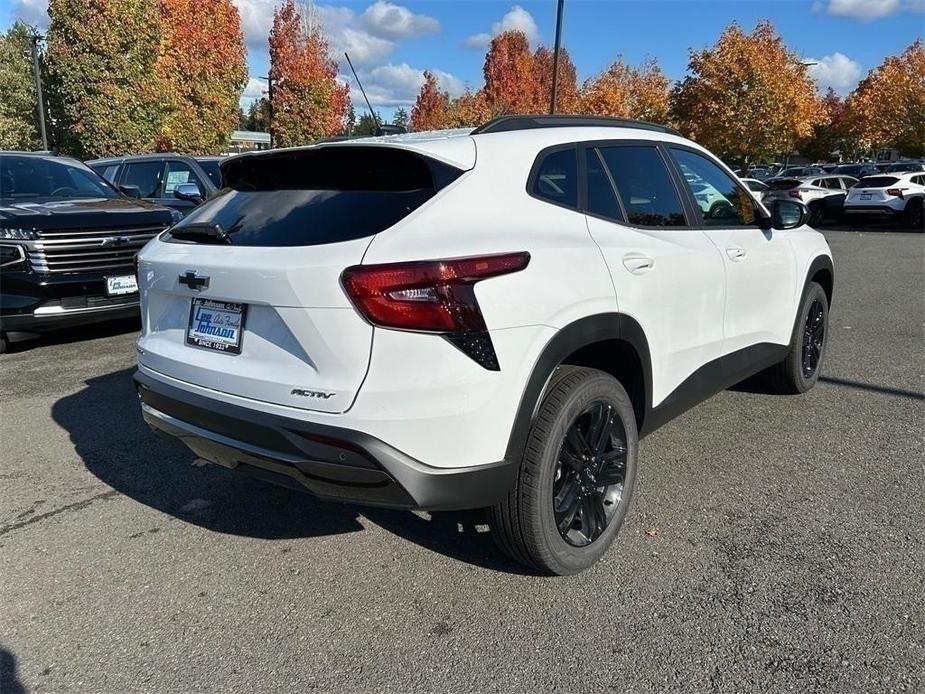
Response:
column 644, row 185
column 315, row 196
column 556, row 178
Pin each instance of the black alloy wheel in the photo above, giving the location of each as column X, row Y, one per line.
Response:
column 590, row 474
column 813, row 338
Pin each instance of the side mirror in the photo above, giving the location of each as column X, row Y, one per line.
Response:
column 789, row 214
column 131, row 191
column 189, row 192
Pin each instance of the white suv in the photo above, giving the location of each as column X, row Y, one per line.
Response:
column 473, row 319
column 897, row 195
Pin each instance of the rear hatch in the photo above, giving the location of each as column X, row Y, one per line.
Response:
column 871, row 190
column 779, row 188
column 244, row 297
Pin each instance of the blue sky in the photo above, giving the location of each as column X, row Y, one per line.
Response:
column 392, row 41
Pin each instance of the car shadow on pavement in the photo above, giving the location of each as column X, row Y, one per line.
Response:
column 105, row 425
column 9, row 681
column 22, row 342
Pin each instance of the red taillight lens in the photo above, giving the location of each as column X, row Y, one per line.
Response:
column 430, row 295
column 898, row 192
column 794, row 194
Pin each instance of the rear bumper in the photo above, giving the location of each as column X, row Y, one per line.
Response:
column 330, row 462
column 872, row 210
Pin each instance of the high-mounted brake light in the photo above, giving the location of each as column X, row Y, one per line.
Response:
column 431, row 296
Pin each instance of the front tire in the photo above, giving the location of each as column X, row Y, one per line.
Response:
column 800, row 370
column 913, row 215
column 576, row 477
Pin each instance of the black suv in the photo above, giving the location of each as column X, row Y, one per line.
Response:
column 172, row 180
column 68, row 241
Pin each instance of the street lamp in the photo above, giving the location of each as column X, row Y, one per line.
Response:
column 40, row 102
column 269, row 80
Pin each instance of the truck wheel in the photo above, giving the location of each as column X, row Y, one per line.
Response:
column 800, row 370
column 576, row 477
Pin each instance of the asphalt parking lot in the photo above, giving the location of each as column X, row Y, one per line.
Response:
column 775, row 543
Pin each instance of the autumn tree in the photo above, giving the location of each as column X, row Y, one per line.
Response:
column 834, row 133
column 567, row 98
column 623, row 91
column 511, row 84
column 308, row 102
column 430, row 109
column 888, row 107
column 18, row 113
column 469, row 110
column 203, row 71
column 748, row 97
column 103, row 89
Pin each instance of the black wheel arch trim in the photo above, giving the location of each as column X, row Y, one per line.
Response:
column 820, row 262
column 581, row 333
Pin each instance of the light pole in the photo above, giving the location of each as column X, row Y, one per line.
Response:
column 555, row 56
column 40, row 101
column 269, row 80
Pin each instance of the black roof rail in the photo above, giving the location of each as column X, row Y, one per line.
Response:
column 503, row 124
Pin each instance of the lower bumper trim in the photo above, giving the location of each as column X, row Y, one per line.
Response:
column 330, row 462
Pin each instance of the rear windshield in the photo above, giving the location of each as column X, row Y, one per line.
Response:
column 211, row 167
column 876, row 182
column 783, row 184
column 316, row 196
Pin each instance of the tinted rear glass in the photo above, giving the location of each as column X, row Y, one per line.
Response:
column 644, row 185
column 211, row 167
column 315, row 196
column 783, row 184
column 557, row 178
column 877, row 182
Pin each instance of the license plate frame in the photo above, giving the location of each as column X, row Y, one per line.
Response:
column 114, row 285
column 865, row 196
column 216, row 341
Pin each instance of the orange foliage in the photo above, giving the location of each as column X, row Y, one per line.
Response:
column 430, row 109
column 622, row 91
column 888, row 106
column 567, row 100
column 511, row 84
column 748, row 97
column 308, row 102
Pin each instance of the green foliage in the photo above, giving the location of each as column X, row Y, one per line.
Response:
column 103, row 89
column 400, row 118
column 18, row 113
column 366, row 126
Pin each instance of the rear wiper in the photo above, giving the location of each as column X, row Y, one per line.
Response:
column 201, row 232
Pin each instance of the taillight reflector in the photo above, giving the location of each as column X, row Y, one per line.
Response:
column 431, row 295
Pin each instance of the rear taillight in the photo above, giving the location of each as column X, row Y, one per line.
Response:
column 435, row 296
column 794, row 194
column 898, row 192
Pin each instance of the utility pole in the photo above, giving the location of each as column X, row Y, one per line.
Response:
column 555, row 56
column 38, row 87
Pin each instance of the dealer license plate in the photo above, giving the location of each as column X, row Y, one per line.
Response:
column 217, row 325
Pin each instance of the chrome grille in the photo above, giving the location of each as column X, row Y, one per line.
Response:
column 88, row 250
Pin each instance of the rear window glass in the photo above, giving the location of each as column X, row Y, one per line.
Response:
column 783, row 184
column 556, row 178
column 645, row 187
column 315, row 196
column 877, row 182
column 213, row 171
column 601, row 198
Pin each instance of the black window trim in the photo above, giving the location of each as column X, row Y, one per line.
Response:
column 160, row 176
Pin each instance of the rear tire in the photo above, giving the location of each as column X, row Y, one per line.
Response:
column 800, row 370
column 816, row 215
column 566, row 507
column 4, row 342
column 913, row 216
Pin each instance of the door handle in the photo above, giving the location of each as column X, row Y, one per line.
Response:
column 735, row 253
column 637, row 263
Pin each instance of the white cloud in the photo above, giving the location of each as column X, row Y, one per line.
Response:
column 392, row 85
column 837, row 71
column 517, row 19
column 867, row 10
column 369, row 38
column 32, row 12
column 396, row 22
column 254, row 90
